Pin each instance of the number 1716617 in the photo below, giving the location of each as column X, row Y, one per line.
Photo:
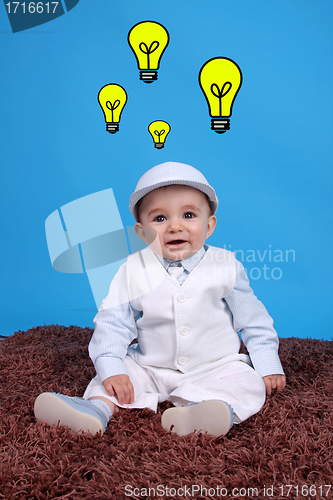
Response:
column 305, row 490
column 31, row 7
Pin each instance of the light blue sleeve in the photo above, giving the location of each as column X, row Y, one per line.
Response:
column 115, row 328
column 255, row 325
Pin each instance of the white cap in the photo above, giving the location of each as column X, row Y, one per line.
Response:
column 167, row 174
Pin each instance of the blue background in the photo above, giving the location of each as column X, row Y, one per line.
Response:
column 272, row 171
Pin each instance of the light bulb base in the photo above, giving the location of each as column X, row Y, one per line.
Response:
column 220, row 125
column 159, row 145
column 148, row 76
column 112, row 128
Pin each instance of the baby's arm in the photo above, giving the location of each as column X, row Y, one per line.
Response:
column 252, row 320
column 121, row 387
column 115, row 329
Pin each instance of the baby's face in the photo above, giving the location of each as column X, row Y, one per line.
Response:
column 180, row 215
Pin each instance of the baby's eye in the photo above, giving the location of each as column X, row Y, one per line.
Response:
column 160, row 218
column 189, row 215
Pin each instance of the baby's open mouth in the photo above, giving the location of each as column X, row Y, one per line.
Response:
column 176, row 242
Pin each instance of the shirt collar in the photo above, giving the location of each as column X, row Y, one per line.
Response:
column 189, row 263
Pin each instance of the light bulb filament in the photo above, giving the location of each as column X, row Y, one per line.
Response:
column 112, row 107
column 156, row 132
column 220, row 93
column 149, row 50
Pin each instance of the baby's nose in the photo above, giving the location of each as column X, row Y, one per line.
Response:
column 175, row 225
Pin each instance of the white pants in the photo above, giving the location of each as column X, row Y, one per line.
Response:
column 231, row 379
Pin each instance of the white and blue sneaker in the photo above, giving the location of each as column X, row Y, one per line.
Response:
column 76, row 413
column 213, row 416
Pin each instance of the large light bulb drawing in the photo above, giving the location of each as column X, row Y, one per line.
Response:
column 159, row 131
column 148, row 40
column 220, row 79
column 112, row 99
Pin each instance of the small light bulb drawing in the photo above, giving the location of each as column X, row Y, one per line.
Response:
column 220, row 79
column 159, row 131
column 112, row 99
column 148, row 40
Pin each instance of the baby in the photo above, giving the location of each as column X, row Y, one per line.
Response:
column 185, row 303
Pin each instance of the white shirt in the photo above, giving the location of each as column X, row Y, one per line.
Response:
column 115, row 328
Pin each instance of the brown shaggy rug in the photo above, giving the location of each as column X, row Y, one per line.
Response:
column 283, row 452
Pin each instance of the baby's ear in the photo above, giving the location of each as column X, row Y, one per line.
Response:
column 147, row 234
column 138, row 228
column 211, row 225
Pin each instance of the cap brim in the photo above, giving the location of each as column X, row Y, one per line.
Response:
column 137, row 195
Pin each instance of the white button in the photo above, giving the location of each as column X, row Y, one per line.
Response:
column 181, row 297
column 184, row 330
column 182, row 360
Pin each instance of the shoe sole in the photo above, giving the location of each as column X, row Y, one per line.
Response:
column 53, row 410
column 212, row 417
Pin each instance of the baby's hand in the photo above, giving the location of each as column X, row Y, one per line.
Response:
column 274, row 383
column 121, row 387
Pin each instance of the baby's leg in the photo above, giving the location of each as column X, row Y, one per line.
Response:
column 235, row 384
column 113, row 408
column 93, row 412
column 146, row 392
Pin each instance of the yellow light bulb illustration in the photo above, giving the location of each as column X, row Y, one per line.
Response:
column 220, row 79
column 112, row 99
column 148, row 40
column 159, row 131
